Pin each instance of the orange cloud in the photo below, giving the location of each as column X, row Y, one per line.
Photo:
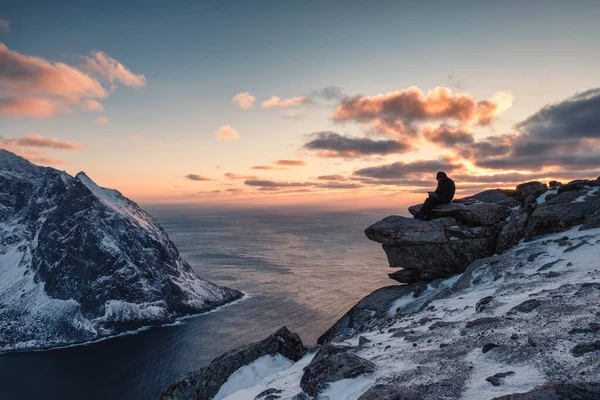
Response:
column 291, row 163
column 412, row 105
column 231, row 175
column 34, row 87
column 244, row 99
column 226, row 132
column 36, row 107
column 42, row 141
column 102, row 121
column 112, row 70
column 135, row 137
column 276, row 102
column 269, row 167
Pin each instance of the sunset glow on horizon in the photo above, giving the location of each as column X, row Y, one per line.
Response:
column 295, row 103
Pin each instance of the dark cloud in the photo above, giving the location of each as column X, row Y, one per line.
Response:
column 448, row 136
column 329, row 93
column 331, row 144
column 41, row 141
column 268, row 168
column 399, row 170
column 564, row 134
column 197, row 178
column 332, row 178
column 274, row 184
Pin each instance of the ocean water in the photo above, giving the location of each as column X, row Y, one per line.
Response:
column 301, row 268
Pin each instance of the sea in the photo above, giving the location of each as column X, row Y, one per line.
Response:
column 298, row 267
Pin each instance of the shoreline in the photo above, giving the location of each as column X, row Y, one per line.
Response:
column 178, row 321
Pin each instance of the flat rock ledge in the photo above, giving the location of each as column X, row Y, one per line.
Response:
column 205, row 383
column 481, row 225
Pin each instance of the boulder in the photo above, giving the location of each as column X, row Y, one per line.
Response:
column 592, row 221
column 204, row 384
column 554, row 184
column 530, row 204
column 472, row 214
column 535, row 189
column 513, row 231
column 330, row 364
column 550, row 218
column 574, row 185
column 566, row 197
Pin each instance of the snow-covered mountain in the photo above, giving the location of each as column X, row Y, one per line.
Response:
column 79, row 262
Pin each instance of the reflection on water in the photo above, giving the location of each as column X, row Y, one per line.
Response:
column 302, row 270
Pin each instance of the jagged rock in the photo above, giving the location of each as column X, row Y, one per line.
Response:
column 488, row 346
column 496, row 379
column 513, row 231
column 390, row 392
column 205, row 383
column 592, row 221
column 535, row 189
column 331, row 364
column 584, row 348
column 472, row 214
column 526, row 306
column 480, row 306
column 558, row 217
column 558, row 391
column 80, row 262
column 268, row 394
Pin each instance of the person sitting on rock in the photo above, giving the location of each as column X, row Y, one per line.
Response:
column 442, row 195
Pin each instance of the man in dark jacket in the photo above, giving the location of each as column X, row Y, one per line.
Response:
column 442, row 195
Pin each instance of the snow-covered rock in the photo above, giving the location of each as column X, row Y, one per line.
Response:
column 79, row 262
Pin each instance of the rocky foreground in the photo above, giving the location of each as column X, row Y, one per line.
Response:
column 79, row 262
column 501, row 302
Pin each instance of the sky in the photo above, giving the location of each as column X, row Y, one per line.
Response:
column 347, row 104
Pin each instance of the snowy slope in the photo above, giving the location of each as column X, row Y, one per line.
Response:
column 539, row 323
column 79, row 262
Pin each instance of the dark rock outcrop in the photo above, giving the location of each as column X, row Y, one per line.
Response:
column 331, row 364
column 558, row 217
column 390, row 392
column 205, row 384
column 559, row 391
column 428, row 250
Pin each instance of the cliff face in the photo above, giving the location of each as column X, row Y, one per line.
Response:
column 518, row 320
column 79, row 262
